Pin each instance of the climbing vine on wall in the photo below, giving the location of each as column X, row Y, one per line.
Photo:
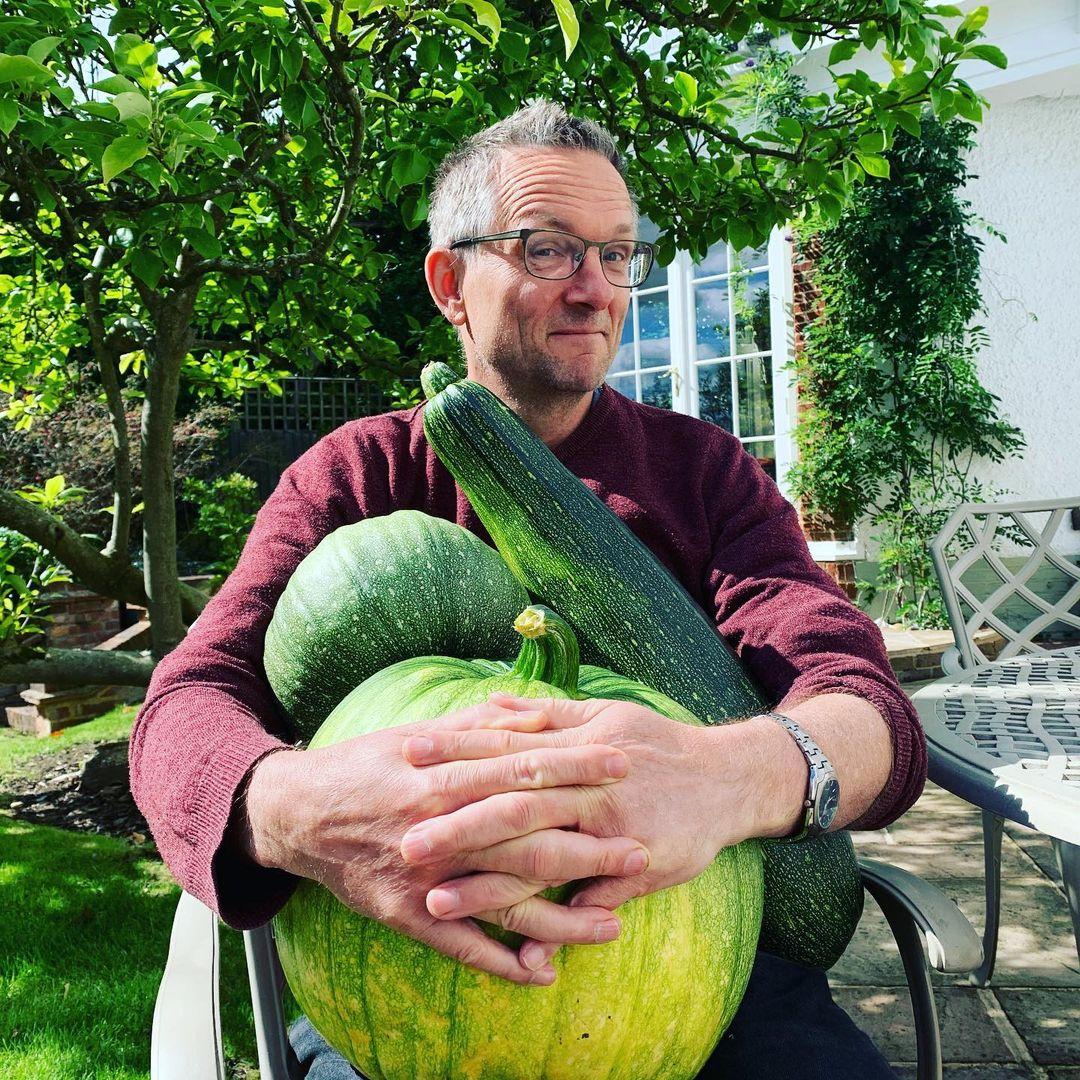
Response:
column 894, row 414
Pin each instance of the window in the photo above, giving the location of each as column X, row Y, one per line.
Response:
column 710, row 339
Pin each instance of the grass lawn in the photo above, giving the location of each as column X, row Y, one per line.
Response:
column 84, row 931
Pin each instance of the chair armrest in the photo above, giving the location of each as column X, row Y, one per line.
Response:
column 951, row 942
column 185, row 1041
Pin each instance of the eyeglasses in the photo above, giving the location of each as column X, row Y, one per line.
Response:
column 554, row 255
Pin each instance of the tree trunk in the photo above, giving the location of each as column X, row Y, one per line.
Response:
column 172, row 342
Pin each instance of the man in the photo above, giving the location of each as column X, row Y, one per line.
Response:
column 631, row 800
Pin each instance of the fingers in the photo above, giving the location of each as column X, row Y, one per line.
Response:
column 491, row 821
column 560, row 855
column 492, row 714
column 471, row 745
column 465, row 941
column 459, row 782
column 559, row 712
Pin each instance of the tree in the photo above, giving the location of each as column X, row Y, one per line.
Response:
column 187, row 187
column 894, row 413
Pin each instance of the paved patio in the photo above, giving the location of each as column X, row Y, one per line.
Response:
column 1028, row 1023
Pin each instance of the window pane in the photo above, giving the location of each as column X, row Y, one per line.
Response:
column 624, row 355
column 656, row 389
column 752, row 258
column 713, row 332
column 714, row 394
column 654, row 318
column 765, row 452
column 752, row 313
column 715, row 262
column 755, row 396
column 626, row 384
column 658, row 274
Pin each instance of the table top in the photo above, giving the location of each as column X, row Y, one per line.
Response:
column 1006, row 737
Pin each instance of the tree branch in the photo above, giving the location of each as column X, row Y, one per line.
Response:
column 110, row 380
column 108, row 575
column 78, row 667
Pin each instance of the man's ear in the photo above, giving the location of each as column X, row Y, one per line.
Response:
column 443, row 271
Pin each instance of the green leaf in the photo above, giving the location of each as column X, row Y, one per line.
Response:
column 974, row 20
column 9, row 115
column 872, row 142
column 790, row 129
column 739, row 233
column 968, row 107
column 42, row 47
column 909, row 123
column 874, row 164
column 133, row 56
column 687, row 86
column 146, row 265
column 116, row 84
column 990, row 53
column 23, row 69
column 53, row 486
column 121, row 154
column 515, row 46
column 427, row 54
column 209, row 247
column 410, row 167
column 296, row 145
column 841, row 51
column 132, row 103
column 486, row 15
column 568, row 23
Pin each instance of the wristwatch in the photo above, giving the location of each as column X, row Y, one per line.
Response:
column 823, row 791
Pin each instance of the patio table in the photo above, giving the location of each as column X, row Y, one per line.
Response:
column 1005, row 736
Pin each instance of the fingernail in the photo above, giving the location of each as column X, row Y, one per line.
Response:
column 544, row 977
column 415, row 845
column 606, row 931
column 533, row 957
column 617, row 765
column 418, row 747
column 443, row 901
column 636, row 861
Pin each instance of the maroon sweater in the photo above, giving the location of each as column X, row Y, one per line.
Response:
column 686, row 488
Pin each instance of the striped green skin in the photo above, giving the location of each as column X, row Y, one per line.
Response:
column 649, row 1006
column 382, row 590
column 633, row 617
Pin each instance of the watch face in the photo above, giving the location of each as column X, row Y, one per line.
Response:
column 828, row 802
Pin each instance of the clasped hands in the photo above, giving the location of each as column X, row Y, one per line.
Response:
column 470, row 816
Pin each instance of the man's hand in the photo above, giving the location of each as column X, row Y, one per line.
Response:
column 337, row 815
column 690, row 791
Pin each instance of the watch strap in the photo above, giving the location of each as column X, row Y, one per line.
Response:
column 819, row 767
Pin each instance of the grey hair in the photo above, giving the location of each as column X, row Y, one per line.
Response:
column 462, row 201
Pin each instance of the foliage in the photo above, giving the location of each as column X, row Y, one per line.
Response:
column 26, row 572
column 226, row 512
column 895, row 415
column 196, row 198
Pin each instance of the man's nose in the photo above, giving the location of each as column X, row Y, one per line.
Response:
column 588, row 285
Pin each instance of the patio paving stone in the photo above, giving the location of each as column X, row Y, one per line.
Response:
column 1027, row 1023
column 1048, row 1020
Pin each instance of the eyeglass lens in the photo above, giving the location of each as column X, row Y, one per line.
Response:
column 557, row 255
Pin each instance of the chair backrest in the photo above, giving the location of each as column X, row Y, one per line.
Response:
column 1001, row 568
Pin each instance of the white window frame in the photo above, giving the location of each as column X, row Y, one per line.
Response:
column 680, row 289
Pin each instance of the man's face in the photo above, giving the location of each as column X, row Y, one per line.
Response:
column 545, row 337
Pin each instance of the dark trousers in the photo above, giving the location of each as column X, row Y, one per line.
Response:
column 787, row 1028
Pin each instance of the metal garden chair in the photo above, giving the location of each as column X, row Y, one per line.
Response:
column 929, row 929
column 1001, row 569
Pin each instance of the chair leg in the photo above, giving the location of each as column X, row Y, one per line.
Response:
column 992, row 829
column 277, row 1061
column 1068, row 859
column 913, row 954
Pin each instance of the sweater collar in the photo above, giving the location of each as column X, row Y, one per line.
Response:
column 599, row 410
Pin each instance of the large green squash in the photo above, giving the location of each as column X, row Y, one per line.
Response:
column 382, row 590
column 651, row 1004
column 632, row 616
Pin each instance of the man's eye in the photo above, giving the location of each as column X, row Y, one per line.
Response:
column 616, row 254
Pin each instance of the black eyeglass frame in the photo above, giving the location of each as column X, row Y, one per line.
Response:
column 524, row 234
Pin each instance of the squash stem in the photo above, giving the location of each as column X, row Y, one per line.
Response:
column 549, row 649
column 435, row 377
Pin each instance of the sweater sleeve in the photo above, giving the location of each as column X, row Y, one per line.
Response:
column 210, row 715
column 797, row 632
